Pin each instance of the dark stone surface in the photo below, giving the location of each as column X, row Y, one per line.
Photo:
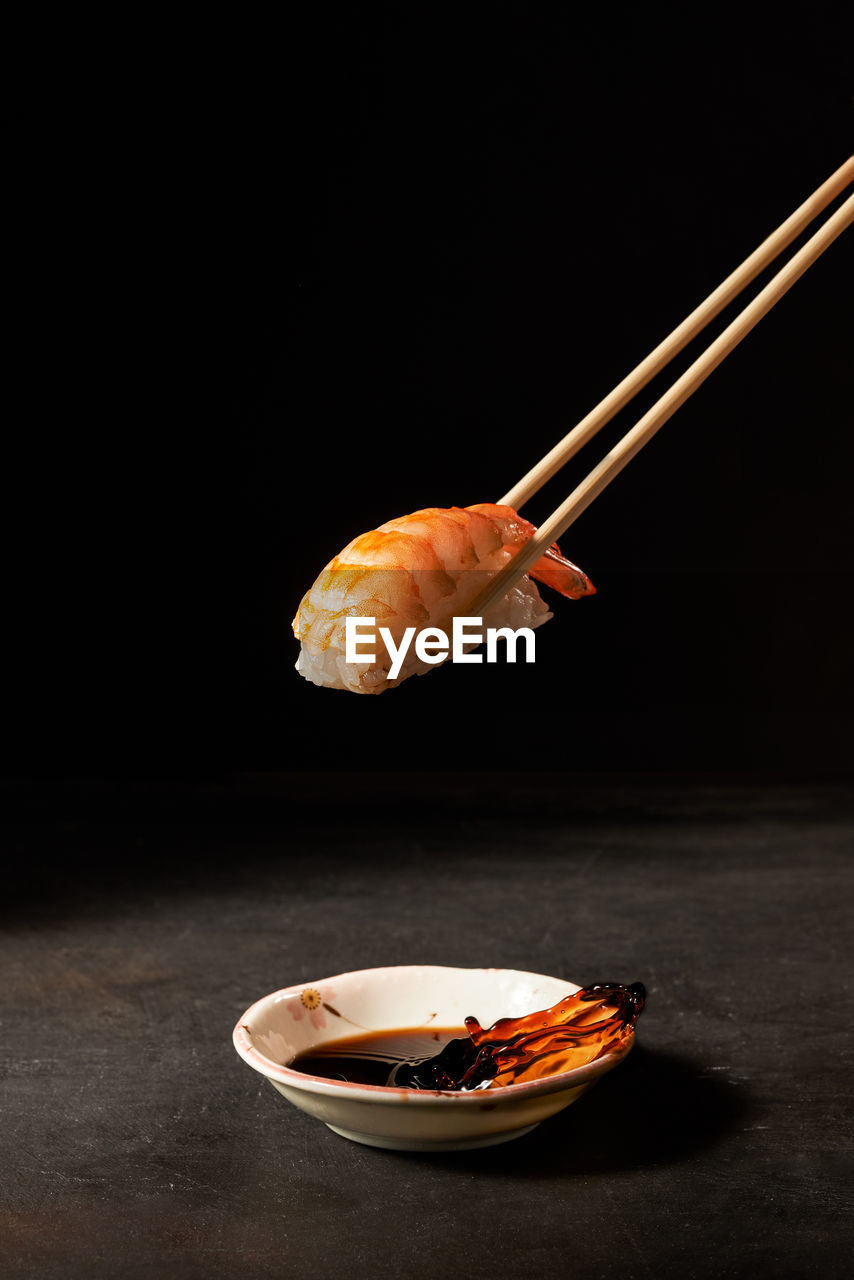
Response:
column 142, row 921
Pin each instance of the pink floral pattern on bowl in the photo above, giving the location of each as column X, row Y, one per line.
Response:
column 314, row 1003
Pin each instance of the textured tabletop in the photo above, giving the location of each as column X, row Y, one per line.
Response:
column 139, row 924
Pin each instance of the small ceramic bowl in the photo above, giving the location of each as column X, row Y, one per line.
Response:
column 276, row 1028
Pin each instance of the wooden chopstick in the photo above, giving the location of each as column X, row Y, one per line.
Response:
column 643, row 430
column 679, row 338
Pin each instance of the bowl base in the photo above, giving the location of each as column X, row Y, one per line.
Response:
column 413, row 1144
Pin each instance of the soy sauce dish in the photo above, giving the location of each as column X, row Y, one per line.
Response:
column 311, row 1015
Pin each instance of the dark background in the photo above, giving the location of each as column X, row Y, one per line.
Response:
column 279, row 285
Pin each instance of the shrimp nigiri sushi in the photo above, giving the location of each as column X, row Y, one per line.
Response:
column 422, row 570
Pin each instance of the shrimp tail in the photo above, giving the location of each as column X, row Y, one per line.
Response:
column 562, row 575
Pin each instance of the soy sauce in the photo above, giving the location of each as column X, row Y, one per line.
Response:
column 380, row 1057
column 596, row 1020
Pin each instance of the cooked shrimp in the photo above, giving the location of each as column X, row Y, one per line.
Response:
column 421, row 570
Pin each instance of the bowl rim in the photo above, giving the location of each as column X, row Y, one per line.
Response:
column 388, row 1094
